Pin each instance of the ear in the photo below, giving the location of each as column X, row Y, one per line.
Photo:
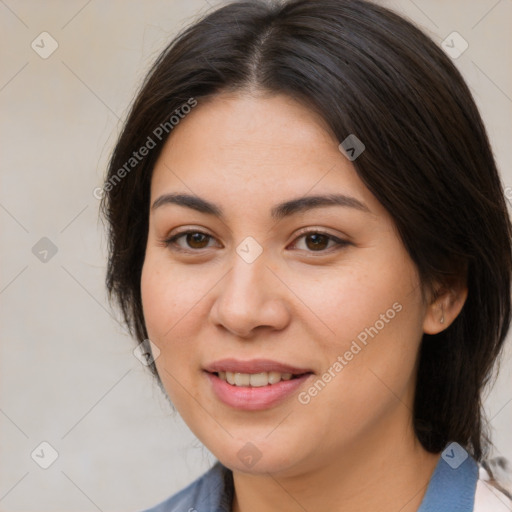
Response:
column 444, row 307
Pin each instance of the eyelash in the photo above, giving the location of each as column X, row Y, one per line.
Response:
column 171, row 241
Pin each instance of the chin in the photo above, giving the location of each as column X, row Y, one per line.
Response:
column 261, row 467
column 256, row 458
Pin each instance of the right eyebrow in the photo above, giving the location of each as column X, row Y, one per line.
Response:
column 278, row 212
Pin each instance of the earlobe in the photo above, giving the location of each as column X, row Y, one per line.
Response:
column 441, row 313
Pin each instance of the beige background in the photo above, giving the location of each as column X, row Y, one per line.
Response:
column 68, row 375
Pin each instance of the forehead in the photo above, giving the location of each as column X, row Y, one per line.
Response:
column 258, row 148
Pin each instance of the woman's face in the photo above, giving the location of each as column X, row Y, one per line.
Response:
column 324, row 287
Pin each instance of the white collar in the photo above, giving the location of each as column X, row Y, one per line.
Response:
column 487, row 497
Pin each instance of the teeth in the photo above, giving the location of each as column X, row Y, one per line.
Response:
column 242, row 379
column 254, row 379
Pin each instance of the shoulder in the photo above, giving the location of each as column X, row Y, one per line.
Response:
column 211, row 491
column 488, row 496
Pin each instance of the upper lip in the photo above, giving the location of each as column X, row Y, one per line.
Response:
column 253, row 366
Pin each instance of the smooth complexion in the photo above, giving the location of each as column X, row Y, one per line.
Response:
column 301, row 302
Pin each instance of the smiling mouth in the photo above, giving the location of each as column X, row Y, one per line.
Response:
column 256, row 379
column 258, row 390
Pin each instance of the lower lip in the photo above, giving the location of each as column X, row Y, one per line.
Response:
column 255, row 398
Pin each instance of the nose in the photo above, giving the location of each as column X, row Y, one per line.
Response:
column 249, row 298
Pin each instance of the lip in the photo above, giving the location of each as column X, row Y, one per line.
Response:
column 249, row 398
column 254, row 366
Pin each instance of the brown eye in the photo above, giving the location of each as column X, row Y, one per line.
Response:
column 193, row 240
column 317, row 241
column 313, row 241
column 197, row 240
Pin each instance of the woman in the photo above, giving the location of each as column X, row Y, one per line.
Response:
column 306, row 220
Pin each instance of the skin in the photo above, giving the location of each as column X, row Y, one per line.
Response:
column 352, row 447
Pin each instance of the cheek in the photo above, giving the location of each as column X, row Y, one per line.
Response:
column 168, row 305
column 343, row 301
column 168, row 296
column 374, row 313
column 158, row 302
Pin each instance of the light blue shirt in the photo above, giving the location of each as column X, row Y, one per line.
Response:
column 449, row 489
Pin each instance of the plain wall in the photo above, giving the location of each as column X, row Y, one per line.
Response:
column 68, row 375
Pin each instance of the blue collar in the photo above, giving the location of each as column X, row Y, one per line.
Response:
column 451, row 488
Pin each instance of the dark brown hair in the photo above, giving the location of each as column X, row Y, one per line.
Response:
column 368, row 72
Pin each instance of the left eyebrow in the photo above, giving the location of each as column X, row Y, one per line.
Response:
column 303, row 204
column 278, row 212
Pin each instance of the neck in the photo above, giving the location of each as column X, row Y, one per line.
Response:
column 387, row 471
